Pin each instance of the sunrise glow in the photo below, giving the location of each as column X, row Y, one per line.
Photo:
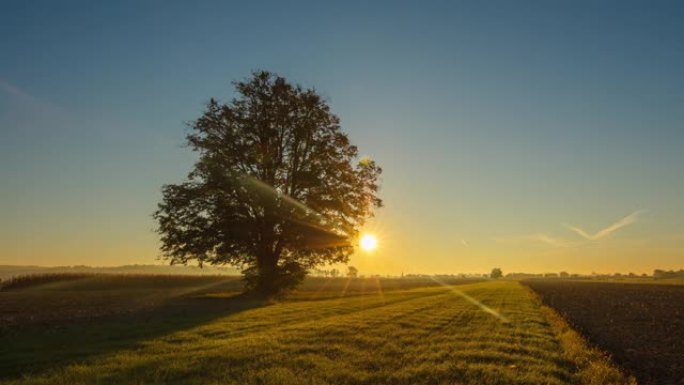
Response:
column 368, row 242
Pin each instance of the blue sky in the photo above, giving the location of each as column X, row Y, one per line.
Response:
column 497, row 123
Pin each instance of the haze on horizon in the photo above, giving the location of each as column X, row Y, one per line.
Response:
column 529, row 136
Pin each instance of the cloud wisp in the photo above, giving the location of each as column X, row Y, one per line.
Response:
column 18, row 95
column 535, row 238
column 560, row 242
column 626, row 221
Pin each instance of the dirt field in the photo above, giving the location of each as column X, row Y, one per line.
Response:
column 640, row 325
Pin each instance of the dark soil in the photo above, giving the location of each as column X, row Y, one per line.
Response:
column 640, row 325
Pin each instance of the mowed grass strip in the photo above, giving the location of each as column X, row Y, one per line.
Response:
column 419, row 336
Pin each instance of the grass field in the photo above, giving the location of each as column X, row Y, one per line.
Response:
column 333, row 331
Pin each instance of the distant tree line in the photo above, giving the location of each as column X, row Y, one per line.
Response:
column 352, row 272
column 566, row 275
column 659, row 274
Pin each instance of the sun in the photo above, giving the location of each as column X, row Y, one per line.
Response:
column 368, row 242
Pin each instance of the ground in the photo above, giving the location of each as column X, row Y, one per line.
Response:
column 641, row 324
column 333, row 331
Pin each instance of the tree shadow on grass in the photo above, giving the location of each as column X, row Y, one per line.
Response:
column 38, row 348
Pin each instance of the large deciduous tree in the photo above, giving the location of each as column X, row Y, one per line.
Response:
column 278, row 187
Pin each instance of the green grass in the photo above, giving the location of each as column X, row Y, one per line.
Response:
column 428, row 335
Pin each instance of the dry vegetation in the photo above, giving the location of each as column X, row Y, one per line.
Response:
column 332, row 331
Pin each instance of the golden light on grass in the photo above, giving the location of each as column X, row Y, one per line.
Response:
column 368, row 242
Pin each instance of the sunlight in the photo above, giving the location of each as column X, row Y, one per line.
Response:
column 472, row 300
column 368, row 242
column 382, row 295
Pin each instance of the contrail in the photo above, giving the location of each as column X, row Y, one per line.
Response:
column 21, row 96
column 14, row 90
column 550, row 240
column 475, row 302
column 539, row 237
column 626, row 221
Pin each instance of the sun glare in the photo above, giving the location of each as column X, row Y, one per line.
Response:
column 368, row 242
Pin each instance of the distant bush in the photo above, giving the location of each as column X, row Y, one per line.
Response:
column 496, row 273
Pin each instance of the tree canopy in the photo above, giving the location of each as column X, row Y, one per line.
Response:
column 278, row 188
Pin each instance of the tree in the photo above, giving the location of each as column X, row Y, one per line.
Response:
column 496, row 273
column 352, row 272
column 277, row 190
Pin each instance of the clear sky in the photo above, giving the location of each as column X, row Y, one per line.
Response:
column 533, row 136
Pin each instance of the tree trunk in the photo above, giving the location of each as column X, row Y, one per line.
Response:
column 268, row 275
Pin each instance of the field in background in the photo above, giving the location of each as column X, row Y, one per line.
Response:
column 199, row 330
column 9, row 271
column 641, row 325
